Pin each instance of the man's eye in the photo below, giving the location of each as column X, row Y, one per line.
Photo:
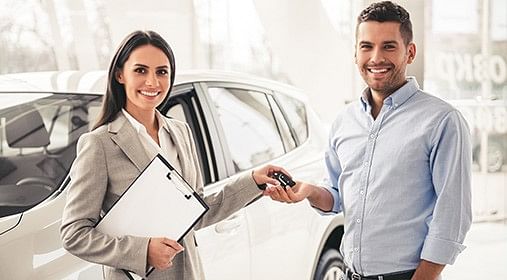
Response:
column 389, row 47
column 365, row 47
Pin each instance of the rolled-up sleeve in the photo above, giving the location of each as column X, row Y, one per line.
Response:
column 450, row 163
column 333, row 171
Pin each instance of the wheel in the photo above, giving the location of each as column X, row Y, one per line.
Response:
column 330, row 266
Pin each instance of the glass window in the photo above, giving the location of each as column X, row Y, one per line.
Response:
column 465, row 53
column 284, row 129
column 241, row 46
column 249, row 126
column 38, row 136
column 296, row 113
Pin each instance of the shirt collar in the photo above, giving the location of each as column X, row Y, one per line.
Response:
column 394, row 100
column 139, row 127
column 161, row 121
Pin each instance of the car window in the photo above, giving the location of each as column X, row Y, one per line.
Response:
column 184, row 106
column 38, row 136
column 283, row 127
column 296, row 114
column 249, row 126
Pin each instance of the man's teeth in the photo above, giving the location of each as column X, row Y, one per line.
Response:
column 149, row 93
column 378, row 70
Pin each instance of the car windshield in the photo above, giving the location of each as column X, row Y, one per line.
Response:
column 38, row 136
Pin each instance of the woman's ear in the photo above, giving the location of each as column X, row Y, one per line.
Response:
column 119, row 77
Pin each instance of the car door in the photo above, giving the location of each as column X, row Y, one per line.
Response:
column 38, row 134
column 254, row 131
column 250, row 135
column 223, row 247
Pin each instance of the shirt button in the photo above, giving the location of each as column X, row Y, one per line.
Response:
column 358, row 221
column 366, row 164
column 372, row 136
column 356, row 249
column 361, row 192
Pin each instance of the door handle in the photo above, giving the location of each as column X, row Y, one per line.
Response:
column 230, row 225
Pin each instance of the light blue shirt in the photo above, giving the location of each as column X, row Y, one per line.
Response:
column 402, row 181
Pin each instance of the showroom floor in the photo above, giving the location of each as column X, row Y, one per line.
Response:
column 485, row 256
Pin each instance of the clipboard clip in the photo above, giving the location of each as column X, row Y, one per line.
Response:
column 180, row 186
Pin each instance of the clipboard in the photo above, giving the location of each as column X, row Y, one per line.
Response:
column 158, row 203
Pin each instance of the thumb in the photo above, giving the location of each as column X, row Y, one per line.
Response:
column 175, row 245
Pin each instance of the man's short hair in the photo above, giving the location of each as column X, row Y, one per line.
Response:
column 388, row 11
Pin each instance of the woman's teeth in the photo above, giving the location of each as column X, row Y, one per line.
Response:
column 149, row 93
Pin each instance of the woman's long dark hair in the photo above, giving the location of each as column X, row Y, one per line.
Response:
column 115, row 97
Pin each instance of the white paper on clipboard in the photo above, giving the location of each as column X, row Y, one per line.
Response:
column 159, row 203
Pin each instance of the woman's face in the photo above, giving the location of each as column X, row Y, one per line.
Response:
column 146, row 78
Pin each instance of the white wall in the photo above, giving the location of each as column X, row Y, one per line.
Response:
column 310, row 51
column 172, row 19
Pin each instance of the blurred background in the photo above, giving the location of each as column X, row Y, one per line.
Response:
column 461, row 57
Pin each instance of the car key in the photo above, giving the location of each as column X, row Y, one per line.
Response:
column 283, row 179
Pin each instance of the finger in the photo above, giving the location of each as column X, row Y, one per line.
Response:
column 285, row 171
column 276, row 197
column 267, row 192
column 273, row 193
column 292, row 196
column 173, row 244
column 283, row 194
column 271, row 181
column 270, row 190
column 165, row 265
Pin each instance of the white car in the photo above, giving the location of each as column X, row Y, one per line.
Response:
column 238, row 122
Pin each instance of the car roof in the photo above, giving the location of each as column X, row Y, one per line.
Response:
column 95, row 81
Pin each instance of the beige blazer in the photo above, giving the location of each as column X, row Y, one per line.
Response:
column 108, row 160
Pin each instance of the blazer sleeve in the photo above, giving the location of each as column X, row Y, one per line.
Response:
column 237, row 192
column 85, row 196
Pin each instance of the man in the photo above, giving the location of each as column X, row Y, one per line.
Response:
column 398, row 162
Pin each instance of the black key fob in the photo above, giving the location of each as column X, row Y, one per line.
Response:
column 285, row 181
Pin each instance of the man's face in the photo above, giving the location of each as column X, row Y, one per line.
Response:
column 382, row 56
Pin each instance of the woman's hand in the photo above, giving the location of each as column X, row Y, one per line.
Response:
column 263, row 174
column 161, row 252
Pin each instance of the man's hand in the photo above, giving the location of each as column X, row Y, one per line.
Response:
column 161, row 252
column 295, row 194
column 428, row 270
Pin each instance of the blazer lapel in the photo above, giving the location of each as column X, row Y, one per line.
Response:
column 125, row 136
column 181, row 148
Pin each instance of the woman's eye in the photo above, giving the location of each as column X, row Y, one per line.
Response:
column 162, row 72
column 140, row 70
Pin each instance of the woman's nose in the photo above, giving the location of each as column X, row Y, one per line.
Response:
column 151, row 80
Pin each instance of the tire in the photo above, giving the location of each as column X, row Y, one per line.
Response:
column 330, row 266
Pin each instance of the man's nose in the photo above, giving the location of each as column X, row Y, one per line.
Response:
column 377, row 56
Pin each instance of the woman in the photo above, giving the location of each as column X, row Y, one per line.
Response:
column 129, row 133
